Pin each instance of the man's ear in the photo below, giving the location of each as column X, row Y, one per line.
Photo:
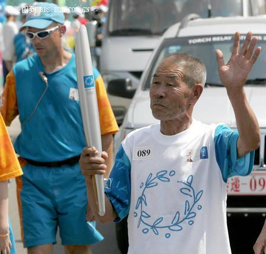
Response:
column 197, row 91
column 62, row 30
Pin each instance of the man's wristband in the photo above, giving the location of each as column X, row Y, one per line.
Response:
column 3, row 236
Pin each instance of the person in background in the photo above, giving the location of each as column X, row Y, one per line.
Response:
column 9, row 168
column 22, row 44
column 66, row 40
column 66, row 12
column 78, row 20
column 180, row 158
column 100, row 18
column 10, row 29
column 75, row 24
column 43, row 90
column 21, row 8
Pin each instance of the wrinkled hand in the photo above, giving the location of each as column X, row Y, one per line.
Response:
column 5, row 245
column 92, row 165
column 234, row 74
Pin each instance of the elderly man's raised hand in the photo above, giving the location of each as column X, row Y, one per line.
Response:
column 234, row 74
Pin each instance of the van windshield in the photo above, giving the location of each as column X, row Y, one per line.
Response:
column 204, row 47
column 147, row 17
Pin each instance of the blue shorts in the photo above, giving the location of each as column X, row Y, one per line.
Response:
column 52, row 198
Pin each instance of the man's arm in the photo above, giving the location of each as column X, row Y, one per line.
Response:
column 8, row 64
column 233, row 76
column 91, row 165
column 260, row 245
column 107, row 146
column 5, row 243
column 8, row 100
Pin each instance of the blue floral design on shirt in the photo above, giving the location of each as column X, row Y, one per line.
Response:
column 178, row 221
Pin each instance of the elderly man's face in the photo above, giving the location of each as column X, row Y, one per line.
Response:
column 170, row 96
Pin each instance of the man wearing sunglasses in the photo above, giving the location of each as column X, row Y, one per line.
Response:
column 42, row 89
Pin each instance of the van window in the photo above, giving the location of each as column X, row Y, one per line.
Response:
column 148, row 17
column 137, row 17
column 257, row 7
column 204, row 47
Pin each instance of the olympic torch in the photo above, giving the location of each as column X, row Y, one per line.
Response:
column 89, row 107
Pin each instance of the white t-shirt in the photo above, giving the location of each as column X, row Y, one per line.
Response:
column 173, row 188
column 10, row 29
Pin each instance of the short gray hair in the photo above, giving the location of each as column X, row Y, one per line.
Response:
column 194, row 70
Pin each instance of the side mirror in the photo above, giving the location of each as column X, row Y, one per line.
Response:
column 121, row 88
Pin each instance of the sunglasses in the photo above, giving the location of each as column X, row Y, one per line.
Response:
column 42, row 34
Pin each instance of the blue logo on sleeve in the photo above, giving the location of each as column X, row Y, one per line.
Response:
column 204, row 152
column 88, row 81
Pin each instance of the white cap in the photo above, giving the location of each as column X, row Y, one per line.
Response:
column 93, row 8
column 11, row 11
column 65, row 9
column 104, row 8
column 22, row 6
column 24, row 9
column 78, row 11
column 99, row 8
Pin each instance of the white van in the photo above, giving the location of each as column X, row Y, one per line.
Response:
column 134, row 28
column 201, row 37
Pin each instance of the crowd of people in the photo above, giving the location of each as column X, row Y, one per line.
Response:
column 55, row 170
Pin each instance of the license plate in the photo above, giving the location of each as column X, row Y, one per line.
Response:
column 254, row 185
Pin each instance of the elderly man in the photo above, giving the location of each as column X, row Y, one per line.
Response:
column 170, row 179
column 43, row 90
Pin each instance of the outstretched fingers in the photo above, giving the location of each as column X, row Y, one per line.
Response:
column 250, row 50
column 255, row 55
column 236, row 44
column 247, row 50
column 219, row 58
column 246, row 45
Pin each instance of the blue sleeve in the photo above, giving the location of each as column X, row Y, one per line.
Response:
column 226, row 154
column 118, row 186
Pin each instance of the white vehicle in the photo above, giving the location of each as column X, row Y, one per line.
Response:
column 134, row 28
column 201, row 37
